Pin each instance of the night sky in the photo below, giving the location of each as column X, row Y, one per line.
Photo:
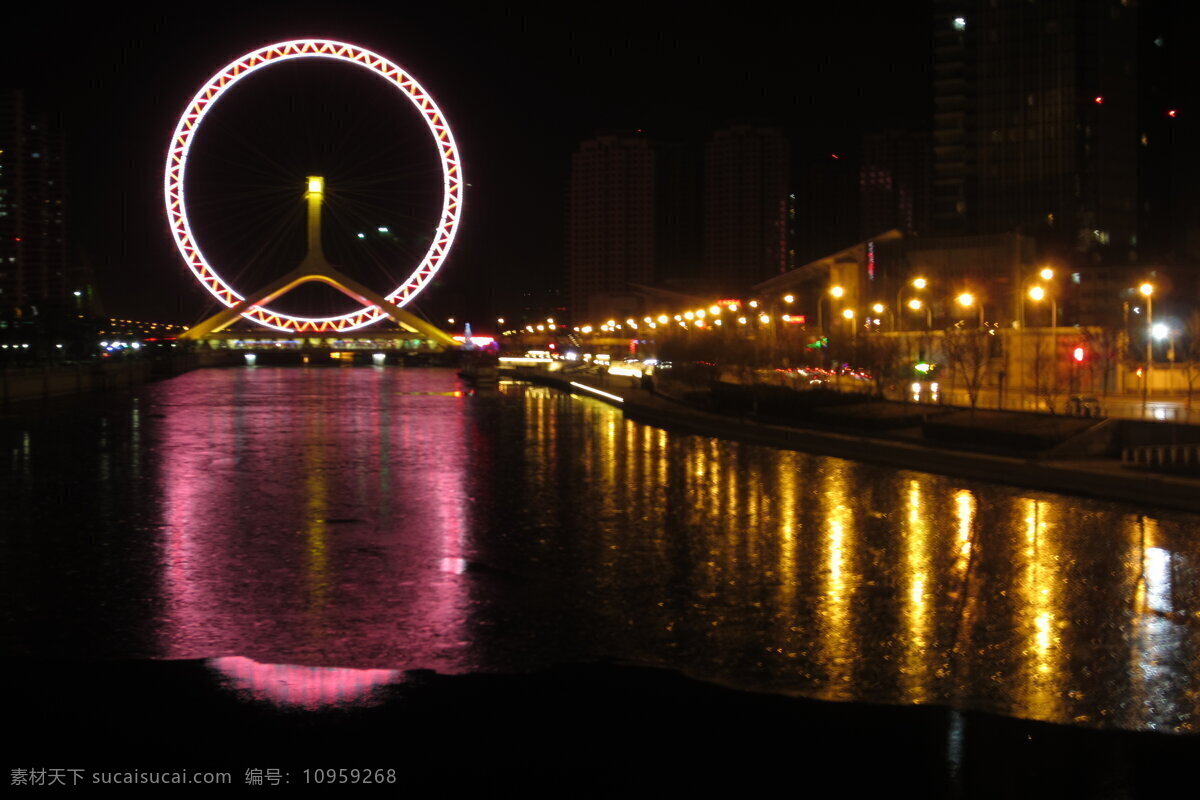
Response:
column 520, row 87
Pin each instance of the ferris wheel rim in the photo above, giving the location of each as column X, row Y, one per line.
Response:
column 189, row 124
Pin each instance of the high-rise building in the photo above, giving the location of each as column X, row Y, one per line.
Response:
column 1169, row 160
column 827, row 206
column 746, row 175
column 610, row 226
column 953, row 124
column 1036, row 121
column 33, row 254
column 894, row 179
column 679, row 209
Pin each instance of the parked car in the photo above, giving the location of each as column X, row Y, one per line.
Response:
column 1082, row 405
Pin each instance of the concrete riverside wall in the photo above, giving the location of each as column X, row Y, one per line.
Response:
column 1144, row 433
column 38, row 383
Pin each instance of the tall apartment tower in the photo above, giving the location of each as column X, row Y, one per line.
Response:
column 1036, row 120
column 894, row 183
column 679, row 210
column 610, row 226
column 33, row 255
column 953, row 116
column 745, row 206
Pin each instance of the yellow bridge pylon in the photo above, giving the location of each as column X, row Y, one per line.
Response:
column 315, row 267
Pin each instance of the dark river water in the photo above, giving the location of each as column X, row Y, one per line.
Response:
column 314, row 532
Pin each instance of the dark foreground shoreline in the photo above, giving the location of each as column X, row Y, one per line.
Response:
column 575, row 730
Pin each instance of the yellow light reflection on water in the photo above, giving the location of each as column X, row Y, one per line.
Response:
column 660, row 455
column 316, row 497
column 834, row 617
column 710, row 494
column 608, row 445
column 831, row 579
column 786, row 478
column 1041, row 588
column 916, row 673
column 964, row 511
column 1159, row 635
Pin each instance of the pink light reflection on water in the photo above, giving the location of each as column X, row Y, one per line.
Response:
column 315, row 517
column 310, row 688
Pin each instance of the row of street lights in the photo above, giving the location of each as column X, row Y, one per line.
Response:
column 966, row 300
column 698, row 317
column 914, row 303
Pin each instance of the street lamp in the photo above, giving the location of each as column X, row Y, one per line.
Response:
column 917, row 283
column 834, row 291
column 1045, row 274
column 1147, row 290
column 967, row 300
column 915, row 304
column 1038, row 294
column 880, row 308
column 1163, row 331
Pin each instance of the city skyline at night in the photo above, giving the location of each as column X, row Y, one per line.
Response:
column 674, row 76
column 445, row 396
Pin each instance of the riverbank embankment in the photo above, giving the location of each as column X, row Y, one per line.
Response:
column 31, row 384
column 1085, row 459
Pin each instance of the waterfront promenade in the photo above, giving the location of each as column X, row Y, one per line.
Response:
column 1065, row 469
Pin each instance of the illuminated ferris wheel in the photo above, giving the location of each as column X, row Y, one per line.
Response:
column 253, row 307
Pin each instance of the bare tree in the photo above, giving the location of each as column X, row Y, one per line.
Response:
column 1104, row 346
column 1044, row 368
column 1191, row 356
column 881, row 352
column 968, row 351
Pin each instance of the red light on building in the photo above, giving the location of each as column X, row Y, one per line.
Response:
column 1172, row 113
column 1079, row 354
column 1099, row 100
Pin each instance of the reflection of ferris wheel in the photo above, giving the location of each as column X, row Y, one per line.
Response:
column 373, row 309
